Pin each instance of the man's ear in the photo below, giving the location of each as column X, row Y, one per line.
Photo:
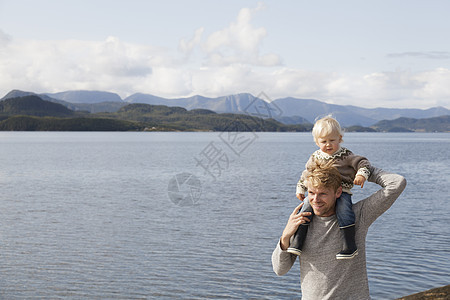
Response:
column 338, row 192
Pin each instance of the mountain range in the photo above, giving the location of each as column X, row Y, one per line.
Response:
column 32, row 112
column 285, row 110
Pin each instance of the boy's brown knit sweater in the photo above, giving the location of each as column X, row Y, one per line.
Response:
column 348, row 164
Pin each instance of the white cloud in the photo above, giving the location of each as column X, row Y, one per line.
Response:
column 72, row 64
column 394, row 89
column 124, row 68
column 228, row 61
column 119, row 59
column 4, row 39
column 221, row 81
column 187, row 47
column 165, row 82
column 427, row 55
column 436, row 86
column 240, row 42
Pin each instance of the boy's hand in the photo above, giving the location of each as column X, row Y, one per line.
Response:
column 359, row 180
column 301, row 197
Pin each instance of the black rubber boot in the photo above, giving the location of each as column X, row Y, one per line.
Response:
column 349, row 249
column 298, row 240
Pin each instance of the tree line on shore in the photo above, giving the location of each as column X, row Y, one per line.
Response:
column 31, row 113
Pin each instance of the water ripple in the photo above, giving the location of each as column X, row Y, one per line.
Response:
column 83, row 218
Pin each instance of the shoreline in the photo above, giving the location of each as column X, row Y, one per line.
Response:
column 439, row 293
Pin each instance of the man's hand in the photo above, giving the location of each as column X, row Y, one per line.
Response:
column 301, row 197
column 295, row 220
column 359, row 180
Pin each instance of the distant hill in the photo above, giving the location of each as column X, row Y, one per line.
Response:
column 357, row 128
column 310, row 110
column 289, row 111
column 29, row 113
column 86, row 96
column 240, row 103
column 349, row 115
column 18, row 93
column 293, row 120
column 179, row 118
column 437, row 124
column 30, row 123
column 33, row 113
column 394, row 113
column 97, row 107
column 94, row 107
column 33, row 106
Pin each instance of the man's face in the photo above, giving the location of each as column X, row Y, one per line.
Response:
column 323, row 200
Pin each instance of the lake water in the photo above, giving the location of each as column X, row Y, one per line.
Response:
column 138, row 215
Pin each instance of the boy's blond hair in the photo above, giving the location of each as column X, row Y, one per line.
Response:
column 325, row 127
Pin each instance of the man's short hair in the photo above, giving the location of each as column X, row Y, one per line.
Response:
column 324, row 176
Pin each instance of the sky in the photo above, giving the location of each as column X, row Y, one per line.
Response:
column 371, row 53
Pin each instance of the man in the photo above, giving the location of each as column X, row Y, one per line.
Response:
column 322, row 276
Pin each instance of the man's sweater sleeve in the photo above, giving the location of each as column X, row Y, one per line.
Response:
column 282, row 261
column 379, row 202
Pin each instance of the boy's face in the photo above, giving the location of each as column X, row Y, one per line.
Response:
column 329, row 144
column 323, row 200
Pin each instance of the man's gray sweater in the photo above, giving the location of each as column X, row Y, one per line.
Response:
column 323, row 276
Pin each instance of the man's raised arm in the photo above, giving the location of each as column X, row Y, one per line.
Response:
column 379, row 202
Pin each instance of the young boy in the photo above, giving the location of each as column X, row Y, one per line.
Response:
column 354, row 170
